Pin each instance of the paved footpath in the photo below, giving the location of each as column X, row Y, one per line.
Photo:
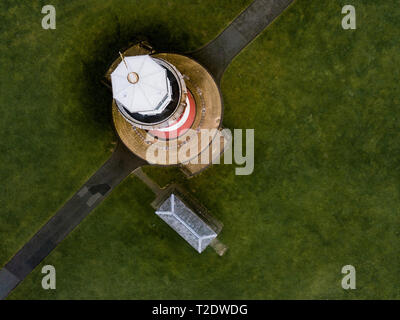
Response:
column 121, row 163
column 217, row 54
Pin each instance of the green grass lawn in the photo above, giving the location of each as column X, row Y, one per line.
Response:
column 324, row 103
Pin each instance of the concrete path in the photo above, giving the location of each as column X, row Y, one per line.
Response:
column 217, row 54
column 121, row 163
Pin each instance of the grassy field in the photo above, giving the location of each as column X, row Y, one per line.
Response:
column 324, row 103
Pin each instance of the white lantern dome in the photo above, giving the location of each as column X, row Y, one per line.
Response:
column 141, row 85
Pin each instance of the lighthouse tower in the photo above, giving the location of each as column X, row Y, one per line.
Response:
column 151, row 94
column 163, row 101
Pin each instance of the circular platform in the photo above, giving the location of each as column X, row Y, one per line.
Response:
column 208, row 115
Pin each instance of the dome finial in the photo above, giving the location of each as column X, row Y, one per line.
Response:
column 133, row 77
